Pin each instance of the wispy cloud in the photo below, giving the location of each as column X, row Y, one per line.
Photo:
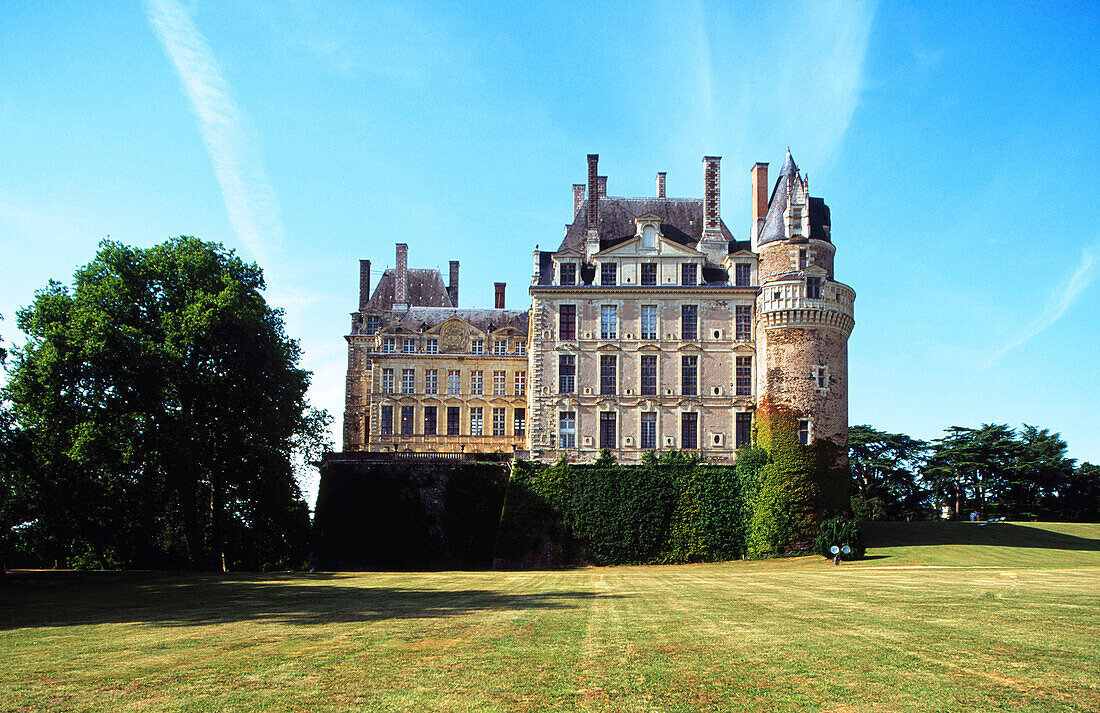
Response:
column 1059, row 303
column 249, row 199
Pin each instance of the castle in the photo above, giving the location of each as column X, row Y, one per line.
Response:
column 650, row 328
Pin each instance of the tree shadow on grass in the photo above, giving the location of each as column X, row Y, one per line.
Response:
column 38, row 599
column 996, row 534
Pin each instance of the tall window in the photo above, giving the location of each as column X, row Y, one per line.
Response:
column 429, row 420
column 521, row 383
column 477, row 346
column 821, row 377
column 452, row 420
column 498, row 421
column 649, row 322
column 387, row 381
column 406, row 420
column 387, row 345
column 609, row 322
column 567, row 373
column 567, row 322
column 454, row 382
column 431, row 381
column 477, row 382
column 689, row 274
column 743, row 321
column 408, row 346
column 649, row 273
column 744, row 376
column 500, row 347
column 567, row 429
column 689, row 430
column 408, row 381
column 813, row 288
column 477, row 421
column 689, row 321
column 609, row 273
column 385, row 421
column 689, row 375
column 519, row 422
column 607, row 430
column 608, row 381
column 742, row 273
column 521, row 347
column 431, row 346
column 648, row 435
column 649, row 375
column 802, row 259
column 373, row 323
column 743, row 435
column 804, row 432
column 500, row 382
column 567, row 273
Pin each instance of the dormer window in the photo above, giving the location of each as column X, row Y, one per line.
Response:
column 388, row 345
column 567, row 273
column 742, row 274
column 408, row 346
column 813, row 288
column 477, row 346
column 373, row 323
column 500, row 347
column 649, row 238
column 689, row 274
column 649, row 273
column 609, row 273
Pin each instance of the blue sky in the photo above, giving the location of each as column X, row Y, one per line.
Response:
column 957, row 147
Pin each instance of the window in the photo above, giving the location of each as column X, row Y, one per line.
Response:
column 744, row 376
column 387, row 345
column 813, row 288
column 609, row 273
column 406, row 420
column 429, row 420
column 521, row 383
column 742, row 273
column 500, row 347
column 477, row 346
column 477, row 421
column 607, row 374
column 498, row 422
column 648, row 435
column 431, row 381
column 408, row 381
column 821, row 377
column 519, row 422
column 567, row 322
column 500, row 382
column 387, row 381
column 521, row 348
column 649, row 273
column 802, row 259
column 689, row 321
column 373, row 323
column 567, row 372
column 432, row 346
column 385, row 421
column 454, row 382
column 649, row 322
column 567, row 273
column 567, row 429
column 408, row 346
column 607, row 429
column 649, row 376
column 743, row 321
column 804, row 432
column 689, row 430
column 743, row 435
column 689, row 274
column 452, row 420
column 609, row 322
column 477, row 382
column 689, row 375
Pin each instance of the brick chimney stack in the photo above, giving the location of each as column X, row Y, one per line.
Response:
column 759, row 199
column 601, row 184
column 592, row 222
column 661, row 184
column 578, row 198
column 364, row 283
column 711, row 194
column 499, row 293
column 401, row 284
column 452, row 286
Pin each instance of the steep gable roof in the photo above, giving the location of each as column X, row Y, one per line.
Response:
column 681, row 220
column 426, row 289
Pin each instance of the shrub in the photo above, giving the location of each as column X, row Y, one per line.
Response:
column 840, row 531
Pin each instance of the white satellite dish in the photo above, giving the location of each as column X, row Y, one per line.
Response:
column 834, row 549
column 846, row 550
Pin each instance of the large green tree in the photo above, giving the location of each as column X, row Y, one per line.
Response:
column 164, row 406
column 885, row 474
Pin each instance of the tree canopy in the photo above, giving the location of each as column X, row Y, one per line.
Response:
column 161, row 407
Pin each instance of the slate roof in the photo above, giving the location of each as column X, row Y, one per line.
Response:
column 681, row 221
column 426, row 289
column 820, row 224
column 416, row 317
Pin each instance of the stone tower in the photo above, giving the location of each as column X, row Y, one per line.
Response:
column 803, row 315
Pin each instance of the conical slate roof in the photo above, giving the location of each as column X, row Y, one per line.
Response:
column 773, row 223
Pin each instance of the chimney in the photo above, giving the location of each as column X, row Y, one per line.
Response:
column 364, row 283
column 661, row 185
column 711, row 191
column 401, row 284
column 759, row 194
column 499, row 290
column 593, row 221
column 601, row 185
column 578, row 198
column 452, row 286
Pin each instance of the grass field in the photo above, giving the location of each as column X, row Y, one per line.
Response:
column 943, row 617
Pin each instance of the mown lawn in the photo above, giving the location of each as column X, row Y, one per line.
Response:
column 948, row 617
